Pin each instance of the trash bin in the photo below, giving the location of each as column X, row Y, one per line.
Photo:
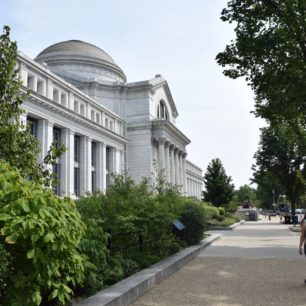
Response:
column 295, row 220
column 252, row 217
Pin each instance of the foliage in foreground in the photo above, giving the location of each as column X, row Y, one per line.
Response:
column 40, row 234
column 135, row 221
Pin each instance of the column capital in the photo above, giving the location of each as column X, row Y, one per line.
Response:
column 162, row 140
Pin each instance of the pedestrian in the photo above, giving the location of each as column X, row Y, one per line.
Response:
column 303, row 237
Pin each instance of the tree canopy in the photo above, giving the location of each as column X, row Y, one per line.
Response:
column 270, row 52
column 218, row 187
column 281, row 155
column 17, row 146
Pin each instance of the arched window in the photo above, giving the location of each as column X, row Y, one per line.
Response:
column 162, row 112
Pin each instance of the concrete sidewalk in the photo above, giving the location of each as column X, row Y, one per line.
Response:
column 131, row 288
column 256, row 264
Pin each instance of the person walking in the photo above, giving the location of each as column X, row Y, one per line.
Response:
column 302, row 238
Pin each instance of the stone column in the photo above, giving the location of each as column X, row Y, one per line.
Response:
column 177, row 171
column 85, row 161
column 180, row 170
column 161, row 154
column 99, row 166
column 184, row 172
column 103, row 146
column 89, row 165
column 70, row 166
column 23, row 75
column 117, row 161
column 167, row 162
column 172, row 165
column 45, row 136
column 71, row 101
column 64, row 181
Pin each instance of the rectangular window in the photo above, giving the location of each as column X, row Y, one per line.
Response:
column 56, row 95
column 77, row 181
column 57, row 137
column 32, row 125
column 93, row 154
column 41, row 87
column 93, row 181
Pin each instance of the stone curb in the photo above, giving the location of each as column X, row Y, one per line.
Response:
column 128, row 290
column 228, row 228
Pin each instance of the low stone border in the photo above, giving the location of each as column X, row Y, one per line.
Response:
column 128, row 290
column 228, row 228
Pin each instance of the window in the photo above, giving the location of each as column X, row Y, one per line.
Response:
column 41, row 87
column 56, row 95
column 32, row 125
column 64, row 99
column 31, row 82
column 82, row 109
column 77, row 181
column 162, row 112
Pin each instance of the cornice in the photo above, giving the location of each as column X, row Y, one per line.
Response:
column 37, row 98
column 170, row 126
column 55, row 78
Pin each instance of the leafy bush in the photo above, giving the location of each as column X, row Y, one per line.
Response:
column 192, row 216
column 211, row 212
column 41, row 233
column 5, row 267
column 221, row 211
column 126, row 211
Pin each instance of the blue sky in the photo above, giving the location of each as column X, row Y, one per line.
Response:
column 178, row 39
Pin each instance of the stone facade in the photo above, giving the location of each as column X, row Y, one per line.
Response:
column 80, row 97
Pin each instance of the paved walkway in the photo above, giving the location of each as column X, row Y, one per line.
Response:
column 255, row 264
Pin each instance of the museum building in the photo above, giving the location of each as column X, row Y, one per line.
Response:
column 81, row 98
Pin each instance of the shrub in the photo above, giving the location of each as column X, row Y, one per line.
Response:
column 192, row 216
column 41, row 233
column 221, row 211
column 211, row 212
column 5, row 267
column 125, row 211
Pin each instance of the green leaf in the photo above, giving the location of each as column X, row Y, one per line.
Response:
column 5, row 217
column 53, row 294
column 24, row 206
column 36, row 297
column 10, row 240
column 30, row 253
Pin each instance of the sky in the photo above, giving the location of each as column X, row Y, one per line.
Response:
column 178, row 39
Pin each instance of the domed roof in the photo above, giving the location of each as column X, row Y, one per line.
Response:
column 76, row 50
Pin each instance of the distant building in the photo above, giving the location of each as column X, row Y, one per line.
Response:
column 81, row 97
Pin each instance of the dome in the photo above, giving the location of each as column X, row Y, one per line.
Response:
column 78, row 57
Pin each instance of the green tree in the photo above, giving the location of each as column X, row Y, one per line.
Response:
column 218, row 187
column 268, row 186
column 246, row 194
column 281, row 154
column 270, row 52
column 17, row 146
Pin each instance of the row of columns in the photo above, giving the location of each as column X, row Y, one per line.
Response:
column 172, row 161
column 194, row 188
column 101, row 166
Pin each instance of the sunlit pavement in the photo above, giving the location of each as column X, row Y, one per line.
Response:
column 255, row 264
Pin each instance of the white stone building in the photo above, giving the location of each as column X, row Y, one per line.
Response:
column 81, row 98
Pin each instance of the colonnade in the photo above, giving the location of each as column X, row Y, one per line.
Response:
column 85, row 166
column 194, row 188
column 171, row 160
